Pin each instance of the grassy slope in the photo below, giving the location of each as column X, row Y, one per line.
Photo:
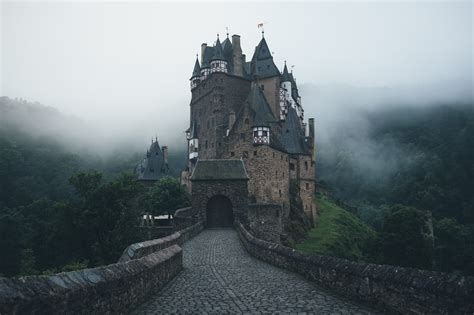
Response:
column 337, row 233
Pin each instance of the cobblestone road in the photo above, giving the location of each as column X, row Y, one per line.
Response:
column 219, row 277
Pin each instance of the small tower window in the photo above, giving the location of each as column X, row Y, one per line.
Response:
column 263, row 87
column 307, row 186
column 246, row 121
column 232, row 153
column 242, row 136
column 292, row 167
column 280, row 192
column 245, row 154
column 306, row 165
column 254, row 153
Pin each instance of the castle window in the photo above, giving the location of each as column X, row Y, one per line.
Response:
column 306, row 165
column 273, row 154
column 242, row 136
column 263, row 87
column 245, row 154
column 280, row 192
column 212, row 145
column 276, row 174
column 219, row 144
column 246, row 121
column 232, row 154
column 254, row 153
column 206, row 144
column 282, row 157
column 292, row 167
column 307, row 186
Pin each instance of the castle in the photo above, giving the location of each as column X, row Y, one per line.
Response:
column 249, row 110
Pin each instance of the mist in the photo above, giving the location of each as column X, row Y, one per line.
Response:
column 114, row 75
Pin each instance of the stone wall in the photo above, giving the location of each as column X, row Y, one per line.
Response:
column 265, row 221
column 143, row 269
column 393, row 289
column 235, row 190
column 142, row 249
column 112, row 289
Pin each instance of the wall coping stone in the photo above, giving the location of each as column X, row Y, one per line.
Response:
column 397, row 289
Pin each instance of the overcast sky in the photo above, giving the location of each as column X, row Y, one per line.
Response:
column 128, row 65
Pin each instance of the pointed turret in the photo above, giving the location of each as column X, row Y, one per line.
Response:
column 197, row 69
column 196, row 76
column 285, row 76
column 218, row 61
column 262, row 65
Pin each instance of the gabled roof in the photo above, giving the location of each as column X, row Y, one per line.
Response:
column 197, row 69
column 293, row 137
column 219, row 170
column 262, row 64
column 262, row 114
column 218, row 53
column 285, row 77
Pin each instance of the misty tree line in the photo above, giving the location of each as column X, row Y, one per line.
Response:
column 424, row 161
column 58, row 214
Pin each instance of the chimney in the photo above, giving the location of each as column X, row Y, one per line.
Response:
column 237, row 56
column 231, row 119
column 203, row 48
column 165, row 154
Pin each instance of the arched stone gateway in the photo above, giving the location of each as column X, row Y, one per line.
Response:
column 219, row 212
column 219, row 192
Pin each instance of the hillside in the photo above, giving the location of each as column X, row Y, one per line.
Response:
column 338, row 233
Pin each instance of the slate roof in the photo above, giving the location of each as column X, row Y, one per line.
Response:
column 285, row 75
column 262, row 64
column 218, row 53
column 293, row 137
column 219, row 170
column 262, row 114
column 197, row 69
column 153, row 166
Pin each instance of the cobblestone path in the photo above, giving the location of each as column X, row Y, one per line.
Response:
column 220, row 277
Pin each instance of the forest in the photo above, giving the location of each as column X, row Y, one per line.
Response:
column 409, row 199
column 410, row 166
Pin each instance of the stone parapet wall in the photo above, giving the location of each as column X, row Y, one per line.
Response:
column 265, row 221
column 142, row 249
column 112, row 289
column 394, row 289
column 142, row 270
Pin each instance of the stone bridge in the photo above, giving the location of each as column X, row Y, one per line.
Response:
column 219, row 276
column 231, row 271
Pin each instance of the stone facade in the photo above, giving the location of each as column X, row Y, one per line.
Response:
column 234, row 190
column 251, row 111
column 389, row 288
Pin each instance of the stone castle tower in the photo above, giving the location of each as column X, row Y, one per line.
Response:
column 250, row 110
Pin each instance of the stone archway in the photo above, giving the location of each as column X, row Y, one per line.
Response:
column 219, row 212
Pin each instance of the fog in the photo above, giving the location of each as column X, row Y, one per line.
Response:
column 121, row 70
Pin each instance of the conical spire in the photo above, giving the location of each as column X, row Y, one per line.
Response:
column 285, row 77
column 197, row 69
column 218, row 53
